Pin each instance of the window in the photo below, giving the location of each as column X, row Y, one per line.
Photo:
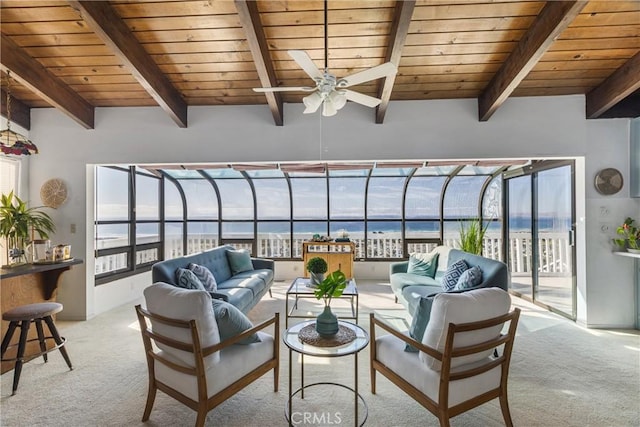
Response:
column 128, row 233
column 388, row 211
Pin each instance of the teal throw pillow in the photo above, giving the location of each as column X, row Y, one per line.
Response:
column 232, row 322
column 470, row 278
column 423, row 264
column 205, row 276
column 187, row 279
column 453, row 273
column 419, row 321
column 239, row 261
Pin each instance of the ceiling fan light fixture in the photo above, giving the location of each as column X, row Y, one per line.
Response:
column 328, row 108
column 338, row 99
column 312, row 102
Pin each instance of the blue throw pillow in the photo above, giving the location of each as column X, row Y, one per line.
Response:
column 419, row 321
column 453, row 273
column 239, row 261
column 188, row 280
column 423, row 264
column 470, row 278
column 205, row 276
column 232, row 322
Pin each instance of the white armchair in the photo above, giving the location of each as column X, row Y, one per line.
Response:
column 456, row 367
column 185, row 357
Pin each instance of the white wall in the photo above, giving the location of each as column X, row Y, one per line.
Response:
column 448, row 129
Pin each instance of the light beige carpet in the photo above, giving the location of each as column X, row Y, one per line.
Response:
column 561, row 375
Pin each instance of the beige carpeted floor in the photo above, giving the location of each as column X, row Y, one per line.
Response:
column 561, row 375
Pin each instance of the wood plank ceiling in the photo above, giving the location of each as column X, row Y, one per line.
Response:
column 78, row 55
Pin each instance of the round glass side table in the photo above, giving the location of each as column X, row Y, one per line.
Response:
column 292, row 340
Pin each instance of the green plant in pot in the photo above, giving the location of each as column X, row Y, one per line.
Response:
column 472, row 236
column 317, row 266
column 331, row 287
column 19, row 224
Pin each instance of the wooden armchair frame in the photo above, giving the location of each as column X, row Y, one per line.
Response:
column 204, row 403
column 441, row 408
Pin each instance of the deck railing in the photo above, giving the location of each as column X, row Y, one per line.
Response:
column 553, row 255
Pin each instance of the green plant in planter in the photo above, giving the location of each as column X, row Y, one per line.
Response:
column 18, row 224
column 317, row 267
column 472, row 236
column 630, row 235
column 331, row 287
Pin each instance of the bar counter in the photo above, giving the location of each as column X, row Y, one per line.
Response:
column 27, row 284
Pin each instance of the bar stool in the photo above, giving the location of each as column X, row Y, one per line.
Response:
column 22, row 317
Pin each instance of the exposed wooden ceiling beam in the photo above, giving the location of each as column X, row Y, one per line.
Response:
column 627, row 108
column 114, row 32
column 622, row 83
column 399, row 28
column 552, row 20
column 37, row 79
column 250, row 20
column 20, row 113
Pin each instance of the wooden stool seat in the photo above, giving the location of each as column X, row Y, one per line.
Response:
column 22, row 317
column 32, row 311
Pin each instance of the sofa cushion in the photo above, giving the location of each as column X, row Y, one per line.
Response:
column 183, row 304
column 265, row 275
column 412, row 295
column 232, row 322
column 458, row 308
column 205, row 276
column 470, row 278
column 453, row 273
column 401, row 280
column 242, row 298
column 423, row 264
column 239, row 261
column 187, row 279
column 255, row 284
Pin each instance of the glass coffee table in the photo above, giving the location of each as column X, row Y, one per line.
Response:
column 301, row 289
column 292, row 339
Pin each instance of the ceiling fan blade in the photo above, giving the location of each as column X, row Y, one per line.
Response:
column 305, row 62
column 285, row 89
column 361, row 98
column 371, row 74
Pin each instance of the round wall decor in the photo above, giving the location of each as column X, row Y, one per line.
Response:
column 608, row 181
column 53, row 193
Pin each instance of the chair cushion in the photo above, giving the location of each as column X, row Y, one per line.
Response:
column 232, row 322
column 423, row 264
column 205, row 276
column 389, row 351
column 187, row 279
column 412, row 295
column 470, row 278
column 419, row 321
column 471, row 306
column 453, row 273
column 183, row 304
column 236, row 361
column 239, row 261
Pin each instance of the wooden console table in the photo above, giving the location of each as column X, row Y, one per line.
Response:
column 29, row 284
column 338, row 255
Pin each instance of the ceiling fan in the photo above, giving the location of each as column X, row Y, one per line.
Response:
column 330, row 91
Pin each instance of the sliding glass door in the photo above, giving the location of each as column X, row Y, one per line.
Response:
column 541, row 236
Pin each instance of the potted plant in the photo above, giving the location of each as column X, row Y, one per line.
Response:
column 630, row 236
column 317, row 266
column 19, row 224
column 331, row 287
column 472, row 237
